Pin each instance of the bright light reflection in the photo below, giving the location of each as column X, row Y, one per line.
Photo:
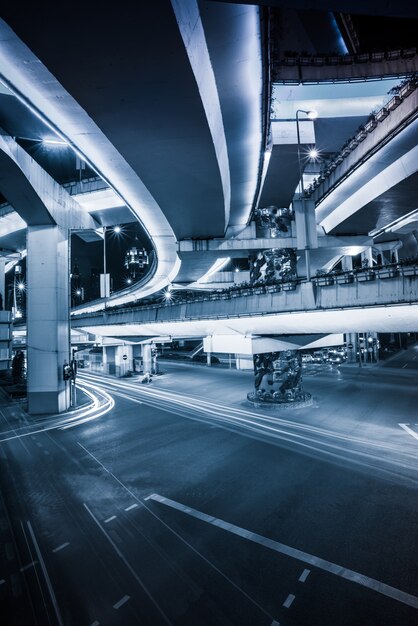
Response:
column 54, row 142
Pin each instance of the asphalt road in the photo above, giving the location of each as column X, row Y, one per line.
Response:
column 183, row 505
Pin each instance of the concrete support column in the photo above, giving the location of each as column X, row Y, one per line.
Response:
column 2, row 284
column 306, row 233
column 48, row 332
column 367, row 258
column 146, row 358
column 351, row 340
column 278, row 377
column 136, row 357
column 347, row 263
column 109, row 360
column 123, row 359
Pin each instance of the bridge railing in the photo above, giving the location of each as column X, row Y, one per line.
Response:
column 391, row 284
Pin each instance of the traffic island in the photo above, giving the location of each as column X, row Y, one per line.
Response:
column 299, row 402
column 278, row 381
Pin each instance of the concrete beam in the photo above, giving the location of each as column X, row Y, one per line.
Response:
column 35, row 195
column 250, row 345
column 300, row 72
column 241, row 246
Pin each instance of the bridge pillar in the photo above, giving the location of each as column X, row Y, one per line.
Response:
column 306, row 232
column 347, row 263
column 2, row 284
column 352, row 340
column 136, row 356
column 109, row 360
column 367, row 258
column 48, row 329
column 147, row 358
column 278, row 378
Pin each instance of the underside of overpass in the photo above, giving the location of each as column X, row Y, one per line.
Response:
column 188, row 131
column 208, row 313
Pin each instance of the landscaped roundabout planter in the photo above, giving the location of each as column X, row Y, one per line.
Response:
column 300, row 401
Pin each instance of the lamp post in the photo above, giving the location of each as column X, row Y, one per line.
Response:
column 312, row 115
column 105, row 278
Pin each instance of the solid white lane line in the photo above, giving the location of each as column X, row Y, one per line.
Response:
column 128, row 565
column 28, row 566
column 133, row 506
column 109, row 519
column 409, row 430
column 288, row 602
column 121, row 602
column 327, row 566
column 61, row 547
column 175, row 533
column 304, row 575
column 45, row 573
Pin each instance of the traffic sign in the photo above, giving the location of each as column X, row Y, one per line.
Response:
column 350, row 346
column 125, row 357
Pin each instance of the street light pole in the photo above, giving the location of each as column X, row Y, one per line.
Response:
column 104, row 254
column 311, row 115
column 104, row 267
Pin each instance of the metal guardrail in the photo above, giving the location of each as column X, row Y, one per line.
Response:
column 351, row 289
column 375, row 119
column 317, row 69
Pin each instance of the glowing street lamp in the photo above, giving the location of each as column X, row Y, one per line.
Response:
column 105, row 277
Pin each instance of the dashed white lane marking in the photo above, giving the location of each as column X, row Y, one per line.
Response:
column 61, row 547
column 28, row 566
column 304, row 575
column 128, row 565
column 327, row 566
column 409, row 430
column 121, row 602
column 406, row 365
column 46, row 575
column 129, row 508
column 274, row 623
column 150, row 496
column 2, row 581
column 109, row 519
column 96, row 623
column 288, row 602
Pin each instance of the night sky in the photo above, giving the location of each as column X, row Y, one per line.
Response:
column 90, row 255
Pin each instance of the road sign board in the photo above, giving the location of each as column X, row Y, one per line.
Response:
column 350, row 346
column 125, row 356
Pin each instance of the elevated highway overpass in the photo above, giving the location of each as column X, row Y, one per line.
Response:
column 171, row 114
column 385, row 303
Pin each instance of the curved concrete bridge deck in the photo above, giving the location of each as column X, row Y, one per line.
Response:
column 380, row 302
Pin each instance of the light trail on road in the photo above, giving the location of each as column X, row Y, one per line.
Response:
column 101, row 403
column 392, row 460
